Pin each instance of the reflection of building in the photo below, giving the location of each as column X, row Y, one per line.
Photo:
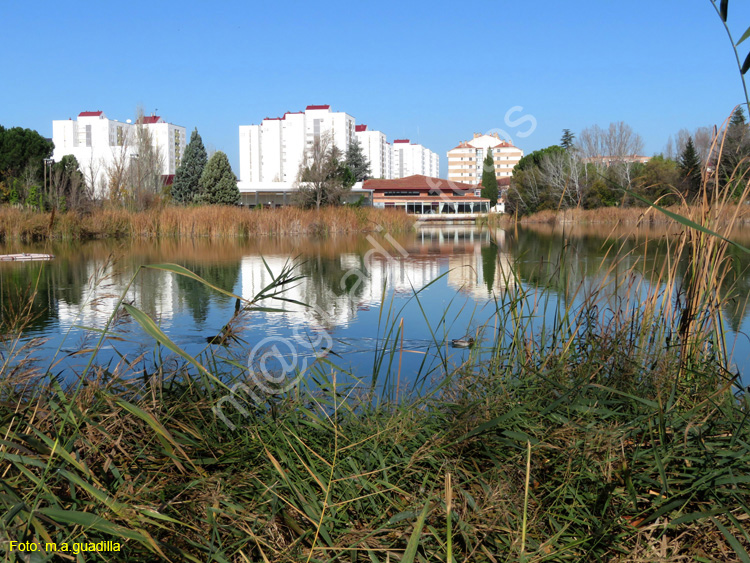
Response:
column 99, row 144
column 485, row 270
column 334, row 294
column 465, row 162
column 153, row 291
column 427, row 196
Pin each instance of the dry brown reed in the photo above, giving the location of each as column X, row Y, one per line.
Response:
column 735, row 213
column 26, row 225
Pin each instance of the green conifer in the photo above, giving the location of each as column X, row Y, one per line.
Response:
column 489, row 179
column 218, row 184
column 186, row 185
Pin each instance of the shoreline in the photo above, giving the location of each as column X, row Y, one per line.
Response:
column 26, row 225
column 627, row 215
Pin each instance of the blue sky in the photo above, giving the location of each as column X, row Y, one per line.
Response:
column 434, row 72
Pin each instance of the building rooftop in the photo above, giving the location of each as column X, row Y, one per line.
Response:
column 319, row 107
column 148, row 119
column 415, row 182
column 90, row 113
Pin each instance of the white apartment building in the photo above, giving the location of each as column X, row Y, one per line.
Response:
column 100, row 143
column 408, row 159
column 465, row 162
column 273, row 150
column 377, row 151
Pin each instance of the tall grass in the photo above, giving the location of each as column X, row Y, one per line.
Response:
column 208, row 221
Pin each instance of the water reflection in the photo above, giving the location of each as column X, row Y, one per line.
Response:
column 343, row 277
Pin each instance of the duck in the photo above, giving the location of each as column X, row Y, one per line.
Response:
column 462, row 342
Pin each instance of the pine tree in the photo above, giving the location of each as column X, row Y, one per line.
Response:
column 218, row 184
column 736, row 148
column 489, row 179
column 357, row 161
column 567, row 139
column 186, row 184
column 690, row 167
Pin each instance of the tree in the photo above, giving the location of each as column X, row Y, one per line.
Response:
column 145, row 179
column 218, row 184
column 489, row 179
column 321, row 179
column 186, row 185
column 357, row 162
column 21, row 148
column 615, row 143
column 735, row 150
column 567, row 140
column 657, row 181
column 68, row 188
column 690, row 167
column 612, row 149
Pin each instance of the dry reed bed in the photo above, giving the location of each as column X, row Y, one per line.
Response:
column 208, row 221
column 631, row 215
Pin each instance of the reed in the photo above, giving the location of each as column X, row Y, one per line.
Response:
column 731, row 212
column 25, row 225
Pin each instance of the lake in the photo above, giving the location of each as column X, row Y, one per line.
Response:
column 365, row 303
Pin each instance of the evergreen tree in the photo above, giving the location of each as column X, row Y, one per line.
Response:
column 690, row 167
column 736, row 148
column 218, row 184
column 186, row 184
column 489, row 179
column 357, row 162
column 567, row 139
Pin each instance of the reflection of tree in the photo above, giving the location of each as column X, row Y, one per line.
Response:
column 45, row 284
column 197, row 296
column 561, row 262
column 736, row 287
column 489, row 264
column 329, row 284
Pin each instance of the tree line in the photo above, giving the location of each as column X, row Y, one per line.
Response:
column 591, row 171
column 29, row 177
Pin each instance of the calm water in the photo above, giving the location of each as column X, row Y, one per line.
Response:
column 355, row 286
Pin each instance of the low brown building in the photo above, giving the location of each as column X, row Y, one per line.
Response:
column 424, row 195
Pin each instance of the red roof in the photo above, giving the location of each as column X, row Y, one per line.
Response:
column 360, row 128
column 90, row 113
column 293, row 112
column 273, row 119
column 416, row 182
column 149, row 119
column 318, row 107
column 401, row 141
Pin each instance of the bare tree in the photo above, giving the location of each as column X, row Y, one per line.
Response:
column 614, row 148
column 91, row 177
column 116, row 173
column 145, row 167
column 668, row 151
column 319, row 180
column 617, row 143
column 561, row 172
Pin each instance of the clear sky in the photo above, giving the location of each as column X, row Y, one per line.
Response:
column 435, row 72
